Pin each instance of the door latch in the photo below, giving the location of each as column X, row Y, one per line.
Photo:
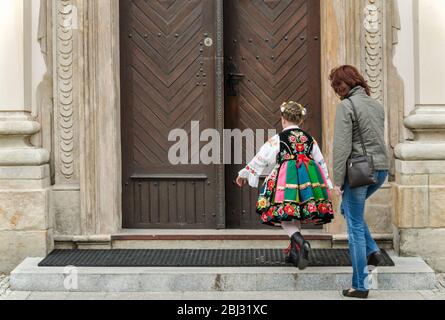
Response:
column 233, row 79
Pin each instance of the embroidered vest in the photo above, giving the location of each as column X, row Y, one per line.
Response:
column 294, row 143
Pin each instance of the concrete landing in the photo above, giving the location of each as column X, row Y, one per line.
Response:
column 409, row 274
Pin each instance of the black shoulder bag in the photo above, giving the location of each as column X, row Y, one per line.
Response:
column 361, row 170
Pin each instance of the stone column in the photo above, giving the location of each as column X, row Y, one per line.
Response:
column 87, row 190
column 357, row 33
column 25, row 227
column 420, row 166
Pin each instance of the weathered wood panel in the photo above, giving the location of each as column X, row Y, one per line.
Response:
column 275, row 44
column 167, row 82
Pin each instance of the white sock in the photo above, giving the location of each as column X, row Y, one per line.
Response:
column 291, row 227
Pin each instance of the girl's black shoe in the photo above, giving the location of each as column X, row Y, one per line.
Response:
column 376, row 259
column 293, row 253
column 356, row 294
column 304, row 250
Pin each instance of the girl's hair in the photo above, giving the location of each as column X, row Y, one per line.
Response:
column 345, row 78
column 293, row 112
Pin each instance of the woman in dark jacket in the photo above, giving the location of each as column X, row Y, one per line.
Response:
column 353, row 90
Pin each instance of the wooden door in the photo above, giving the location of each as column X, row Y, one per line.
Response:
column 275, row 45
column 167, row 73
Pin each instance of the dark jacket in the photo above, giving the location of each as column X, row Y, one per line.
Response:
column 371, row 115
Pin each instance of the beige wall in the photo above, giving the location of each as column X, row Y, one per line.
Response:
column 21, row 62
column 430, row 50
column 25, row 209
column 420, row 52
column 38, row 68
column 12, row 59
column 404, row 56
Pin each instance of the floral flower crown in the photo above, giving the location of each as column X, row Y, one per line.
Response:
column 285, row 104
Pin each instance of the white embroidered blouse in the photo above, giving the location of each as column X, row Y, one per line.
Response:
column 267, row 157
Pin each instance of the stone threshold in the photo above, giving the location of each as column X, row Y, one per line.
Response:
column 216, row 235
column 191, row 239
column 220, row 235
column 205, row 239
column 192, row 234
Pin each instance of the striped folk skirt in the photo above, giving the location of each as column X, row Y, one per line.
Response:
column 296, row 190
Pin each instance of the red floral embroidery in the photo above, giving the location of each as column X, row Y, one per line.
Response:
column 330, row 209
column 290, row 210
column 300, row 147
column 312, row 208
column 251, row 170
column 323, row 208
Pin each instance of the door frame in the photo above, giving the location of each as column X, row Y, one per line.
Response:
column 332, row 54
column 219, row 112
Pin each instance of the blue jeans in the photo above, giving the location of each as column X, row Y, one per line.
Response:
column 361, row 243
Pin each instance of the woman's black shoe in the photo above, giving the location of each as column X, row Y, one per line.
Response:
column 356, row 294
column 304, row 249
column 376, row 259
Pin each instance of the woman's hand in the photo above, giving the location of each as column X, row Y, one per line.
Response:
column 338, row 190
column 241, row 182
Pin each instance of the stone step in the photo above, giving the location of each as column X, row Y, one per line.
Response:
column 278, row 243
column 408, row 274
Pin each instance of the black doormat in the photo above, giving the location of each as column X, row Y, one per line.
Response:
column 194, row 258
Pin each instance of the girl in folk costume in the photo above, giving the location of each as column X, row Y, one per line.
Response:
column 299, row 188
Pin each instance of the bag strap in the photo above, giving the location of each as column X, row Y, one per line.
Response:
column 359, row 130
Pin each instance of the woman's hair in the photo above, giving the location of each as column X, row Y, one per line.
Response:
column 345, row 78
column 293, row 112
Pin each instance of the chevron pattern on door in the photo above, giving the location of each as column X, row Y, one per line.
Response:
column 275, row 44
column 167, row 82
column 271, row 45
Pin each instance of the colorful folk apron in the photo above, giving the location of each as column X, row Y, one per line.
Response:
column 297, row 188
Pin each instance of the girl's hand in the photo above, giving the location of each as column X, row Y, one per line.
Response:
column 241, row 182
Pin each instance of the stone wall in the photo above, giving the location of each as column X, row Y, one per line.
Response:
column 363, row 33
column 420, row 181
column 25, row 214
column 25, row 204
column 86, row 126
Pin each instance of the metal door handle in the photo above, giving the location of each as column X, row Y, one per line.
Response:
column 236, row 76
column 233, row 79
